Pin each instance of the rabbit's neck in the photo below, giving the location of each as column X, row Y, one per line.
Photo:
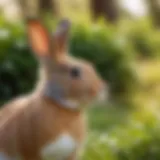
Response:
column 56, row 93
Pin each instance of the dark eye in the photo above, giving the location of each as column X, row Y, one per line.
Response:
column 75, row 72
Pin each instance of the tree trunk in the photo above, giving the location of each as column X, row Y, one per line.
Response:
column 29, row 8
column 154, row 7
column 34, row 8
column 47, row 6
column 105, row 8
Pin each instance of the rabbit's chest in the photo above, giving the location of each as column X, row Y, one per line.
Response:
column 60, row 148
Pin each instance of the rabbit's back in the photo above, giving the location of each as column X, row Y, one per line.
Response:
column 11, row 117
column 29, row 123
column 23, row 126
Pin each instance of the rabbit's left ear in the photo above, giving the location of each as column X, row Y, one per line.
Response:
column 60, row 37
column 38, row 37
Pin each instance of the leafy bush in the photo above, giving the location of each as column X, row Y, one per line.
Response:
column 17, row 66
column 98, row 44
column 144, row 38
column 111, row 54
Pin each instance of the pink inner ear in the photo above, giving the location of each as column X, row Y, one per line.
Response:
column 39, row 39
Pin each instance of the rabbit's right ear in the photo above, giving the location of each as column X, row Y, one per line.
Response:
column 38, row 37
column 60, row 37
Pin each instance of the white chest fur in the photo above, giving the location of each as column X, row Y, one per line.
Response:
column 60, row 148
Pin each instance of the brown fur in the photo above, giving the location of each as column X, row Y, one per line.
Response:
column 28, row 123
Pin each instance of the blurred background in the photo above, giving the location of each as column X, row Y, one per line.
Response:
column 122, row 39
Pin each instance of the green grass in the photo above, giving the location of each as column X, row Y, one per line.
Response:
column 102, row 119
column 117, row 133
column 120, row 134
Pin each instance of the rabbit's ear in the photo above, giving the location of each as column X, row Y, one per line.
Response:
column 60, row 37
column 38, row 37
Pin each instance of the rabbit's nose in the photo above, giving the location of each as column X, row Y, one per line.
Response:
column 97, row 88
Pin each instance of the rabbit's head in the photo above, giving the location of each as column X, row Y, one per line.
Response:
column 70, row 81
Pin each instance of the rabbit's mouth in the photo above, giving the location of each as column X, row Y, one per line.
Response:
column 75, row 99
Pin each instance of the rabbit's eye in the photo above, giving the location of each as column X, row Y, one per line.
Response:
column 75, row 72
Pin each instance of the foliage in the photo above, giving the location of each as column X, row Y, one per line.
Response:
column 110, row 48
column 97, row 44
column 136, row 139
column 130, row 135
column 17, row 66
column 144, row 38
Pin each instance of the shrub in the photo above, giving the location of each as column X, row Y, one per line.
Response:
column 96, row 44
column 144, row 38
column 17, row 66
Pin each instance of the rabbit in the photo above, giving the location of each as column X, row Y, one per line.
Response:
column 50, row 122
